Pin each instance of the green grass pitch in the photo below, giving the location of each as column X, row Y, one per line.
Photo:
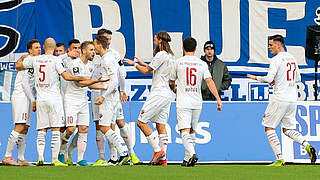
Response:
column 145, row 172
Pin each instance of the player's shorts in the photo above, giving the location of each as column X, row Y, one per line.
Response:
column 283, row 112
column 107, row 113
column 94, row 108
column 156, row 109
column 119, row 114
column 50, row 113
column 21, row 110
column 188, row 118
column 77, row 113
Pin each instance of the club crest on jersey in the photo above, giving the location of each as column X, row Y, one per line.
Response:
column 76, row 70
column 100, row 116
column 30, row 71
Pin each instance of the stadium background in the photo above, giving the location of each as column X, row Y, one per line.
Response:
column 240, row 30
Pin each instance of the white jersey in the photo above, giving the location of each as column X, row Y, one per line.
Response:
column 109, row 69
column 161, row 64
column 18, row 89
column 189, row 71
column 46, row 72
column 78, row 68
column 66, row 60
column 285, row 73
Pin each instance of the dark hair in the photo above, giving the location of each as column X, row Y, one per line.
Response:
column 189, row 44
column 84, row 45
column 278, row 38
column 31, row 42
column 165, row 39
column 73, row 41
column 104, row 31
column 61, row 44
column 102, row 40
column 209, row 44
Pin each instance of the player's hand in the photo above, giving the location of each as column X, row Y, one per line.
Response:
column 219, row 105
column 73, row 54
column 272, row 83
column 129, row 61
column 123, row 97
column 100, row 79
column 34, row 106
column 114, row 91
column 99, row 101
column 252, row 76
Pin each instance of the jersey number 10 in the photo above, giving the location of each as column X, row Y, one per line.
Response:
column 191, row 77
column 291, row 71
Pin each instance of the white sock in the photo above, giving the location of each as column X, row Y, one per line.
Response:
column 21, row 146
column 113, row 152
column 187, row 142
column 124, row 132
column 101, row 144
column 12, row 141
column 82, row 145
column 274, row 143
column 115, row 140
column 41, row 143
column 163, row 138
column 153, row 139
column 64, row 142
column 194, row 139
column 73, row 144
column 55, row 145
column 296, row 136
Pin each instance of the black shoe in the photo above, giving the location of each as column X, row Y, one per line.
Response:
column 312, row 154
column 112, row 162
column 192, row 161
column 184, row 163
column 123, row 160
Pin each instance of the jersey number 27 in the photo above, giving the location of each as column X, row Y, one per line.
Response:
column 291, row 71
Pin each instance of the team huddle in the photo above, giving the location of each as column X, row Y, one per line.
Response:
column 61, row 83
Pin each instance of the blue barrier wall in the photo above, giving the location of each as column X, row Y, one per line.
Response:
column 229, row 135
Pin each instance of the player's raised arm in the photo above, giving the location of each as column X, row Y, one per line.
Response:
column 19, row 64
column 143, row 69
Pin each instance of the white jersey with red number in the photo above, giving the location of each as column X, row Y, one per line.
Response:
column 78, row 68
column 161, row 64
column 285, row 73
column 46, row 71
column 189, row 71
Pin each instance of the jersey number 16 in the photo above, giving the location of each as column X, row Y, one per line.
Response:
column 191, row 77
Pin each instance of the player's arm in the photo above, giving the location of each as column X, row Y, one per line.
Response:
column 19, row 64
column 122, row 80
column 214, row 91
column 110, row 89
column 298, row 75
column 143, row 69
column 89, row 82
column 140, row 61
column 269, row 77
column 68, row 77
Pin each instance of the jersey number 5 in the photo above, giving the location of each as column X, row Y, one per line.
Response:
column 291, row 71
column 191, row 78
column 42, row 72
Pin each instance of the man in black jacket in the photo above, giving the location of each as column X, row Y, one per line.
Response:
column 218, row 70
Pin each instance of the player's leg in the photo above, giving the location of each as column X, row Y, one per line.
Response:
column 161, row 122
column 194, row 122
column 42, row 125
column 56, row 120
column 21, row 117
column 83, row 124
column 184, row 117
column 101, row 144
column 270, row 121
column 149, row 112
column 107, row 112
column 125, row 134
column 288, row 128
column 113, row 161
